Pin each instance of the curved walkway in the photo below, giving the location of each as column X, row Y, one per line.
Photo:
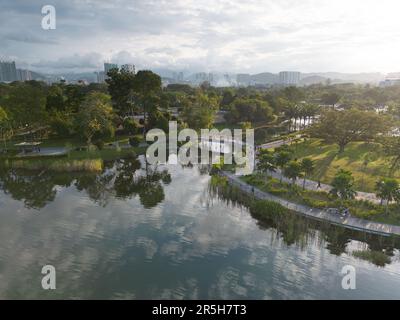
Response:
column 318, row 214
column 311, row 184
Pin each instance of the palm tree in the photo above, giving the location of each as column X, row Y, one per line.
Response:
column 292, row 171
column 281, row 159
column 389, row 190
column 310, row 111
column 266, row 162
column 307, row 166
column 343, row 185
column 291, row 112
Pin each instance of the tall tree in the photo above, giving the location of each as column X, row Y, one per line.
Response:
column 389, row 190
column 343, row 127
column 266, row 162
column 308, row 167
column 391, row 147
column 147, row 86
column 5, row 126
column 95, row 116
column 200, row 112
column 120, row 86
column 331, row 98
column 292, row 171
column 281, row 159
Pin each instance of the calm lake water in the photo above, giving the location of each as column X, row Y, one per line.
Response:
column 132, row 233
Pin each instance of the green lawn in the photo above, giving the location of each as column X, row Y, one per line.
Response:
column 365, row 160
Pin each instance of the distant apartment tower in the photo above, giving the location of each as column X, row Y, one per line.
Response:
column 128, row 68
column 201, row 77
column 243, row 79
column 289, row 78
column 8, row 71
column 100, row 76
column 24, row 75
column 178, row 76
column 108, row 67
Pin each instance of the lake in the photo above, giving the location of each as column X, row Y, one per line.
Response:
column 139, row 232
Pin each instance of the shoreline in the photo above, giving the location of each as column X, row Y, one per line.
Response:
column 317, row 214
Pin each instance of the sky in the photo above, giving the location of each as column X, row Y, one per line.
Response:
column 249, row 36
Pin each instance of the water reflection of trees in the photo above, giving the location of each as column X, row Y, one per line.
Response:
column 295, row 229
column 123, row 179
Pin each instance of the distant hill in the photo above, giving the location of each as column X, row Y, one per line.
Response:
column 313, row 80
column 335, row 77
column 264, row 78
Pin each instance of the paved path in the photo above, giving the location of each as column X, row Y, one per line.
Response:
column 310, row 184
column 318, row 214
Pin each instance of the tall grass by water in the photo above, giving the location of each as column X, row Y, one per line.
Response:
column 62, row 165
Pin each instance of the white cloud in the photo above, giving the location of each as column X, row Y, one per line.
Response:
column 225, row 35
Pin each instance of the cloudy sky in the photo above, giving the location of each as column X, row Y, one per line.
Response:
column 209, row 35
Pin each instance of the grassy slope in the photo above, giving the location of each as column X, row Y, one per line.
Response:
column 329, row 161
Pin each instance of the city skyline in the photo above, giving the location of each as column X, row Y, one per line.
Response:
column 223, row 36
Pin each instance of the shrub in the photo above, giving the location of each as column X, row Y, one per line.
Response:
column 130, row 155
column 130, row 126
column 134, row 141
column 99, row 144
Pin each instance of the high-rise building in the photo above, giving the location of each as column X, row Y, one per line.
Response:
column 128, row 68
column 108, row 67
column 100, row 76
column 289, row 78
column 8, row 71
column 24, row 75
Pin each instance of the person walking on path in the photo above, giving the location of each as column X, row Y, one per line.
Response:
column 319, row 184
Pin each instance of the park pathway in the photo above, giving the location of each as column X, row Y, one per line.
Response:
column 314, row 213
column 311, row 184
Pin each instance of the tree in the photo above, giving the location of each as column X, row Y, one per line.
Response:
column 281, row 159
column 120, row 86
column 391, row 147
column 389, row 190
column 26, row 104
column 200, row 112
column 55, row 100
column 62, row 124
column 227, row 97
column 147, row 86
column 331, row 98
column 95, row 116
column 158, row 120
column 249, row 110
column 343, row 127
column 130, row 126
column 245, row 125
column 293, row 94
column 307, row 166
column 266, row 162
column 5, row 126
column 292, row 171
column 291, row 112
column 343, row 185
